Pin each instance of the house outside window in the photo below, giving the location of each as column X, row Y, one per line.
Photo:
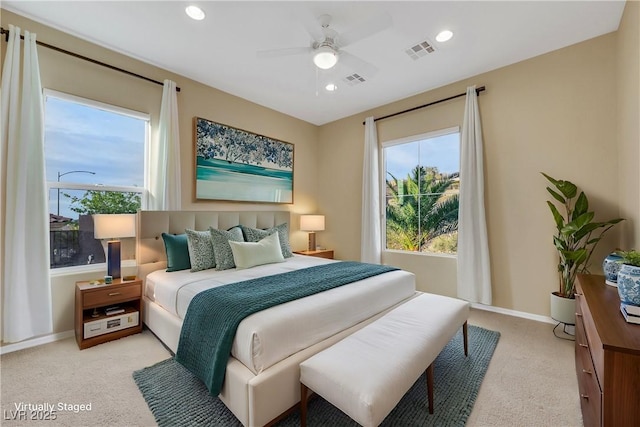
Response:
column 421, row 189
column 95, row 163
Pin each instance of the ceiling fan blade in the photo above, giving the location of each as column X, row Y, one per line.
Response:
column 311, row 24
column 365, row 29
column 275, row 53
column 358, row 65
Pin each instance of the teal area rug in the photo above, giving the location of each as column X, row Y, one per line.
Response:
column 177, row 398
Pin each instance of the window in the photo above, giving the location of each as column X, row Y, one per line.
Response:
column 95, row 163
column 422, row 182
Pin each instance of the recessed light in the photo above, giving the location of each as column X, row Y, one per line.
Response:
column 195, row 12
column 444, row 36
column 331, row 87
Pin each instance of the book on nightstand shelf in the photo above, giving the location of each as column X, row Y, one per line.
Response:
column 631, row 309
column 630, row 318
column 110, row 311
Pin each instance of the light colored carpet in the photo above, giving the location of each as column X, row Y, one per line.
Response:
column 531, row 379
column 179, row 398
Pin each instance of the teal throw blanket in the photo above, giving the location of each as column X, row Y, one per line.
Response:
column 213, row 315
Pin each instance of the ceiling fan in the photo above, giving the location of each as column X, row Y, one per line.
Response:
column 327, row 45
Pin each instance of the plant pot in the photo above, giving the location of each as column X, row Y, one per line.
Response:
column 629, row 284
column 563, row 309
column 611, row 266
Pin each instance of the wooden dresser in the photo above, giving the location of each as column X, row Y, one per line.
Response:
column 607, row 356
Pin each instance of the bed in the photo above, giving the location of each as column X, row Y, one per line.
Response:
column 262, row 376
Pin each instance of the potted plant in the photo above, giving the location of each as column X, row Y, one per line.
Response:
column 576, row 238
column 629, row 277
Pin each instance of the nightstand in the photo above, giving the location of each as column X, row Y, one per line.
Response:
column 93, row 325
column 323, row 253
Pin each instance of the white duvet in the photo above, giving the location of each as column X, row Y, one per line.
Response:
column 269, row 336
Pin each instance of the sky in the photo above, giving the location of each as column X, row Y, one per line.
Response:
column 82, row 138
column 442, row 152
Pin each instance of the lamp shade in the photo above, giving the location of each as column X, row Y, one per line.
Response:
column 312, row 222
column 113, row 226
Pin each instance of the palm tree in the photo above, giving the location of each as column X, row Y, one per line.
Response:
column 419, row 208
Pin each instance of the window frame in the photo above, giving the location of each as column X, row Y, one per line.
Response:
column 383, row 185
column 64, row 185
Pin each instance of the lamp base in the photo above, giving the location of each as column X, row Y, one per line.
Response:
column 312, row 241
column 113, row 259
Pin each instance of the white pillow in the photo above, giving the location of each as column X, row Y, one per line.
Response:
column 250, row 254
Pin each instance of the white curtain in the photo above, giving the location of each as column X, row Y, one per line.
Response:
column 165, row 155
column 371, row 242
column 474, row 275
column 26, row 283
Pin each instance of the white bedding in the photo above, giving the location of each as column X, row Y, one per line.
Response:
column 270, row 336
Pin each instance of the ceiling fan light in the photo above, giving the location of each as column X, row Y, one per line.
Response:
column 325, row 57
column 195, row 12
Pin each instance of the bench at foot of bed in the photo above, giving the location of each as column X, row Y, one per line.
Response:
column 366, row 374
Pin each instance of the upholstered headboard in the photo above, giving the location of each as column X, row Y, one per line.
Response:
column 150, row 252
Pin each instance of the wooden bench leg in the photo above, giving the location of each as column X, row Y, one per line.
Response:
column 303, row 405
column 430, row 387
column 465, row 336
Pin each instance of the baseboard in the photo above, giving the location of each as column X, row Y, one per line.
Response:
column 514, row 313
column 33, row 342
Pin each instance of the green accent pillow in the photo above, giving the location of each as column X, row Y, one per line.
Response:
column 255, row 235
column 250, row 254
column 200, row 250
column 221, row 247
column 177, row 251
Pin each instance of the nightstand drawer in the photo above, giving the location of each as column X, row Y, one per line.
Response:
column 111, row 295
column 320, row 253
column 324, row 254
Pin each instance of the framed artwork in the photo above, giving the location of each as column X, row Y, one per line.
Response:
column 235, row 165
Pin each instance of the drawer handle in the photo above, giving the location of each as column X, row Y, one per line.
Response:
column 584, row 396
column 587, row 372
column 578, row 314
column 583, row 345
column 113, row 294
column 578, row 295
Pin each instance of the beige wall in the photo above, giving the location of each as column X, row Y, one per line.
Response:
column 572, row 113
column 628, row 122
column 66, row 74
column 553, row 113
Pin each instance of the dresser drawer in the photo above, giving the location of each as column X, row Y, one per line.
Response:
column 590, row 399
column 588, row 385
column 583, row 353
column 584, row 359
column 610, row 397
column 108, row 296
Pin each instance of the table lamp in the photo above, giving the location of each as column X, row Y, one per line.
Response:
column 109, row 228
column 312, row 223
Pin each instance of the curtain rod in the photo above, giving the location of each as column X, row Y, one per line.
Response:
column 478, row 90
column 75, row 55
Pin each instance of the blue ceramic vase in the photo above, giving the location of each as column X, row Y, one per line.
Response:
column 611, row 265
column 629, row 284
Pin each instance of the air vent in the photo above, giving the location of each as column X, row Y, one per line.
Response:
column 419, row 50
column 354, row 79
